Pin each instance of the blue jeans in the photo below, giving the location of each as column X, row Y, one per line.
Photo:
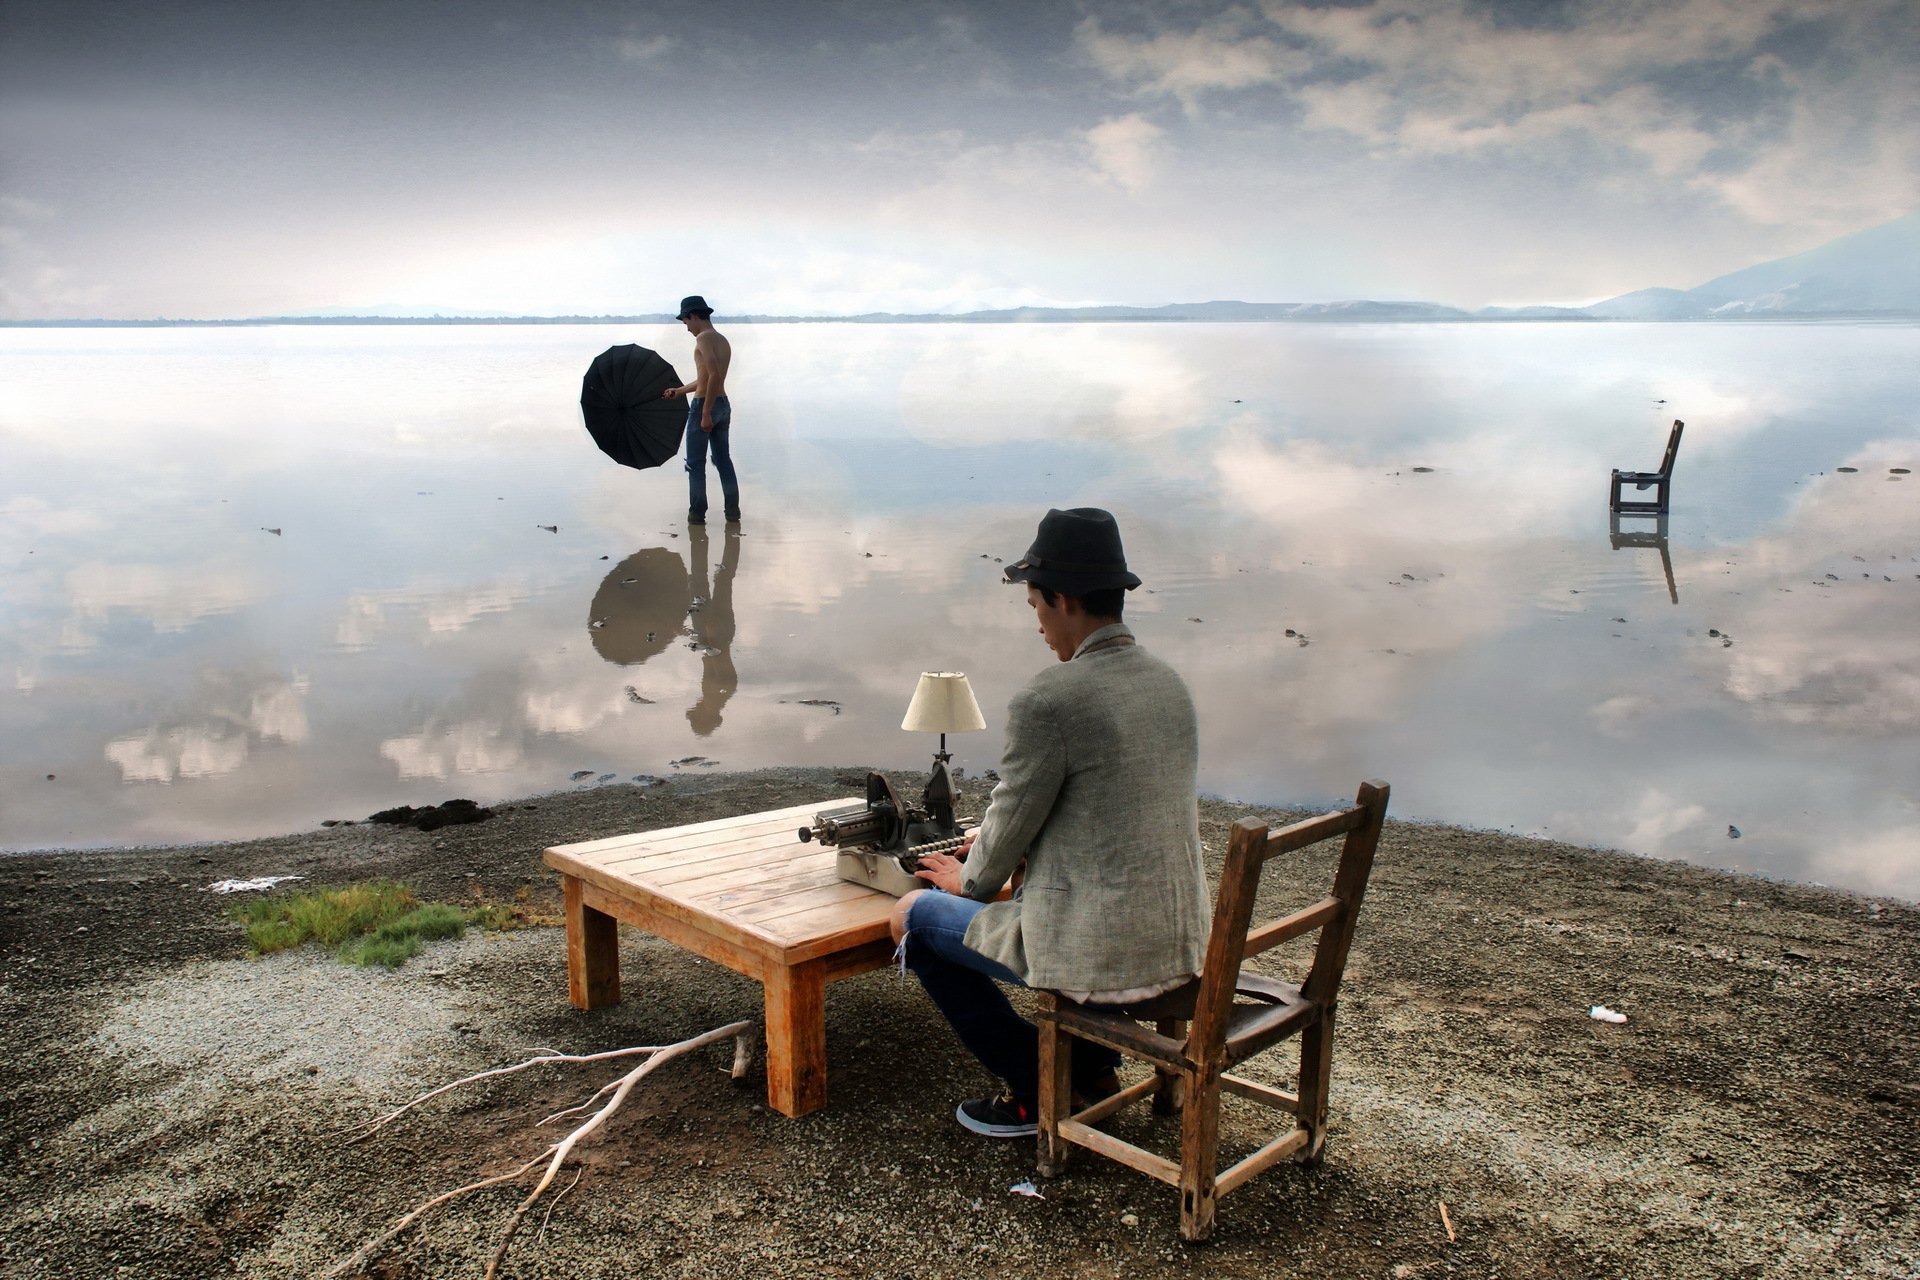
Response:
column 960, row 982
column 699, row 443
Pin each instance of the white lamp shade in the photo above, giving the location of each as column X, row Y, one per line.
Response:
column 943, row 703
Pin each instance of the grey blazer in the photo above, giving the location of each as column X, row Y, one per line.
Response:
column 1097, row 794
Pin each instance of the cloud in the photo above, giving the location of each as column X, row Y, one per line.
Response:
column 32, row 282
column 367, row 615
column 229, row 718
column 477, row 746
column 204, row 751
column 1659, row 820
column 1218, row 55
column 644, row 50
column 171, row 598
column 1768, row 106
column 1126, row 150
column 1834, row 652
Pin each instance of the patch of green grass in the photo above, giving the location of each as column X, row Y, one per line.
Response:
column 389, row 953
column 374, row 922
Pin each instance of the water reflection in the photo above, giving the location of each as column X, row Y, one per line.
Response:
column 713, row 629
column 652, row 598
column 1414, row 503
column 1638, row 535
column 640, row 606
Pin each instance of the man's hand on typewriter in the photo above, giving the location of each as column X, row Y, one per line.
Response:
column 942, row 870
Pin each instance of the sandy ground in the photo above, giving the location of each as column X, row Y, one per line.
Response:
column 172, row 1108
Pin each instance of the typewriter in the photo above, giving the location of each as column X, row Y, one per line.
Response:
column 882, row 841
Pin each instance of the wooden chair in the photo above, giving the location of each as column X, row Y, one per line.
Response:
column 1234, row 1015
column 1659, row 480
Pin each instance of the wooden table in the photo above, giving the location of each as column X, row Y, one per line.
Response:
column 745, row 893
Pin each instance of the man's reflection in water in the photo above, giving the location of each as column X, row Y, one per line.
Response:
column 712, row 623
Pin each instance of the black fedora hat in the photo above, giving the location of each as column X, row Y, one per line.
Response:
column 1076, row 551
column 692, row 305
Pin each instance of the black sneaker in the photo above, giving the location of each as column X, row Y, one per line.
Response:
column 696, row 517
column 733, row 516
column 1001, row 1117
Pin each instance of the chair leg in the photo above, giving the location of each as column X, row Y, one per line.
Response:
column 1316, row 1066
column 1199, row 1153
column 1166, row 1097
column 1056, row 1095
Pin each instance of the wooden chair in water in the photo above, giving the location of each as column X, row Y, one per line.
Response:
column 1234, row 1014
column 1659, row 480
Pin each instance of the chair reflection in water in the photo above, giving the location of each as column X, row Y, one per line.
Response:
column 1655, row 537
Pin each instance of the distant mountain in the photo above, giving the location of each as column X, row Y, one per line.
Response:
column 1871, row 272
column 1876, row 270
column 1203, row 311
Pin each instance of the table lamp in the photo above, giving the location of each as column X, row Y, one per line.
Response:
column 942, row 703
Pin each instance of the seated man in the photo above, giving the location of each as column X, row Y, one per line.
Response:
column 1096, row 798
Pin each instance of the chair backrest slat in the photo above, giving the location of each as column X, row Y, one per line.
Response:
column 1229, row 942
column 1673, row 448
column 1287, row 928
column 1314, row 830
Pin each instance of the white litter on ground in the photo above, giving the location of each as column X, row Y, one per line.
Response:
column 1026, row 1189
column 249, row 886
column 1600, row 1013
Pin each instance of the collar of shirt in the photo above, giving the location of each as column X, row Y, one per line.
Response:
column 1107, row 637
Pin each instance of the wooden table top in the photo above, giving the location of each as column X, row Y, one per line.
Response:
column 749, row 880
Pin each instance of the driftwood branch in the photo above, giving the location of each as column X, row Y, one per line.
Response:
column 556, row 1154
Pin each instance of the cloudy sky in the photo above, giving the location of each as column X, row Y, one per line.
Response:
column 219, row 160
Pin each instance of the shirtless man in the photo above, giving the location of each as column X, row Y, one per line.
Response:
column 709, row 415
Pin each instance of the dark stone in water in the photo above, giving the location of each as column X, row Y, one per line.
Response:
column 1846, row 470
column 1422, row 471
column 578, row 774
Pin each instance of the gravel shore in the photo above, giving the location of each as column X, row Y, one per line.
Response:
column 174, row 1108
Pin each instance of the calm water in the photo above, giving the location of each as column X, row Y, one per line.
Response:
column 251, row 579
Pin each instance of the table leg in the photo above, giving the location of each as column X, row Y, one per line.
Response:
column 797, row 1038
column 593, row 951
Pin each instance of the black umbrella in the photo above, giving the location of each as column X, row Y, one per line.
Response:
column 620, row 399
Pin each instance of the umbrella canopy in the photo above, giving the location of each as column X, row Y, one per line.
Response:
column 640, row 607
column 620, row 399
